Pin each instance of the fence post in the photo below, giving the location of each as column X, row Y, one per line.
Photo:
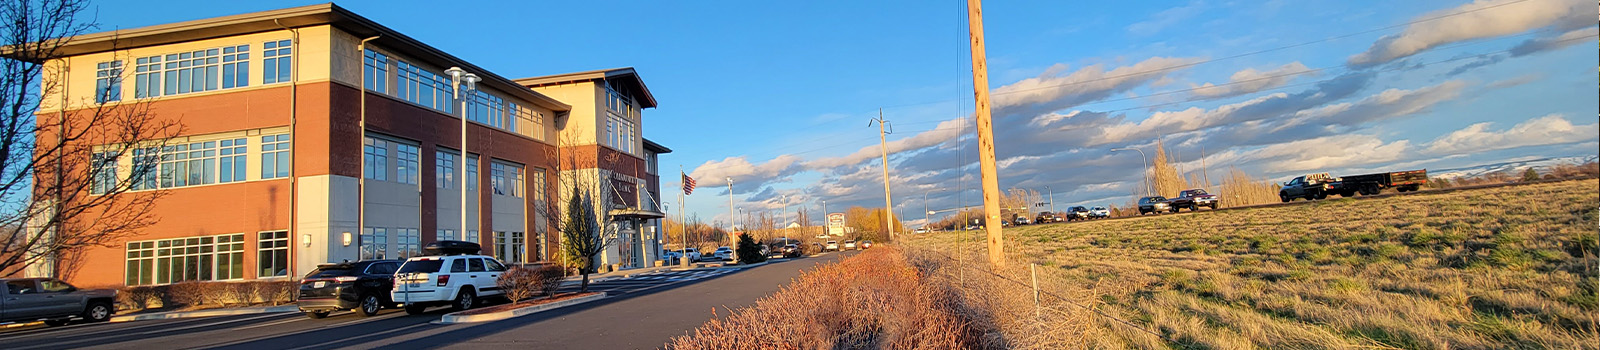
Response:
column 1033, row 269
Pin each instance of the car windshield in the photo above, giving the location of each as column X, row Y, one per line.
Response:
column 424, row 266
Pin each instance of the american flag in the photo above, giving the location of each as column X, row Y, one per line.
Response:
column 688, row 184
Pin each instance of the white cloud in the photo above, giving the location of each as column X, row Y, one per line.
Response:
column 1251, row 80
column 944, row 132
column 1490, row 18
column 1547, row 130
column 1551, row 43
column 1052, row 91
column 747, row 177
column 1320, row 153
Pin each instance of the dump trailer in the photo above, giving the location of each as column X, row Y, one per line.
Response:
column 1321, row 185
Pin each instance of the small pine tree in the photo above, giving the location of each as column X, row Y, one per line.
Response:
column 1530, row 175
column 748, row 251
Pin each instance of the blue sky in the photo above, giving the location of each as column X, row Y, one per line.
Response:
column 778, row 95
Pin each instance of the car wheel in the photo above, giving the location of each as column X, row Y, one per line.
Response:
column 370, row 305
column 1284, row 197
column 98, row 312
column 415, row 309
column 316, row 314
column 465, row 299
column 56, row 322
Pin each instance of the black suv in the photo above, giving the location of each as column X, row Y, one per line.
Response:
column 363, row 286
column 1077, row 213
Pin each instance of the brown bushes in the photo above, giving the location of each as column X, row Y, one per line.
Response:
column 520, row 283
column 203, row 295
column 872, row 300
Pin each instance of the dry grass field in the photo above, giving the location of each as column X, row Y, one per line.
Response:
column 1499, row 268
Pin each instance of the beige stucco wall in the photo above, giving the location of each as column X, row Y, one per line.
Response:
column 76, row 75
column 581, row 122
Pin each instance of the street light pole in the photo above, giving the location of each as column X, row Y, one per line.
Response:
column 1145, row 162
column 1052, row 195
column 734, row 240
column 458, row 76
column 883, row 144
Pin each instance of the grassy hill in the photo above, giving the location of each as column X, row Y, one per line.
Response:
column 1509, row 267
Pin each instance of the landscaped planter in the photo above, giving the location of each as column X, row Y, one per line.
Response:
column 501, row 312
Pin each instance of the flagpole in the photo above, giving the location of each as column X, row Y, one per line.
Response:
column 683, row 231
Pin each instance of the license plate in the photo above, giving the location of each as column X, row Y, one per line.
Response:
column 319, row 284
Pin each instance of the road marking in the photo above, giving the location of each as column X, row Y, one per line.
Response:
column 296, row 319
column 368, row 319
column 211, row 324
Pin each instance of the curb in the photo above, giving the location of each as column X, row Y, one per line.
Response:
column 743, row 266
column 453, row 318
column 205, row 313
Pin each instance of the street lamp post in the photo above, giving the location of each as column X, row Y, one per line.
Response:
column 458, row 76
column 733, row 240
column 1145, row 163
column 1052, row 195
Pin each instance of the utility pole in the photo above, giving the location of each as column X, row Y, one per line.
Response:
column 926, row 215
column 883, row 145
column 1052, row 195
column 733, row 241
column 1204, row 172
column 683, row 232
column 986, row 161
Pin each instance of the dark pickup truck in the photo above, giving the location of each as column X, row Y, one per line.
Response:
column 53, row 301
column 1320, row 185
column 1193, row 199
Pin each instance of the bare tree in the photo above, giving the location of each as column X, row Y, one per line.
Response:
column 66, row 183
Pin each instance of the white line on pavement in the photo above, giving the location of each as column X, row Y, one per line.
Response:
column 366, row 319
column 296, row 319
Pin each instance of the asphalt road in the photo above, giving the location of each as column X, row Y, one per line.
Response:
column 641, row 312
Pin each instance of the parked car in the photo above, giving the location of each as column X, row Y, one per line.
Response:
column 692, row 253
column 671, row 255
column 53, row 301
column 1023, row 220
column 865, row 244
column 1153, row 204
column 920, row 230
column 452, row 274
column 1193, row 199
column 1077, row 213
column 363, row 286
column 723, row 253
column 831, row 245
column 1045, row 217
column 849, row 244
column 790, row 250
column 1099, row 213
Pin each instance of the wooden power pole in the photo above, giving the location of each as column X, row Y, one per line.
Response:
column 883, row 145
column 986, row 161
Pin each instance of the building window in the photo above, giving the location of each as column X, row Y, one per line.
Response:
column 406, row 163
column 204, row 258
column 650, row 159
column 408, row 242
column 189, row 164
column 509, row 247
column 618, row 103
column 104, row 167
column 374, row 243
column 472, row 236
column 422, row 87
column 236, row 66
column 272, row 254
column 278, row 62
column 377, row 159
column 147, row 77
column 544, row 247
column 188, row 72
column 619, row 134
column 376, row 74
column 472, row 173
column 536, row 177
column 108, row 81
column 233, row 160
column 444, row 170
column 506, row 179
column 444, row 235
column 528, row 122
column 145, row 162
column 275, row 156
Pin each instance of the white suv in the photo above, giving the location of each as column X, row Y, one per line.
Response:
column 457, row 280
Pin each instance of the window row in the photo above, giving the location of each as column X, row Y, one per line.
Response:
column 204, row 258
column 195, row 71
column 374, row 243
column 620, row 134
column 434, row 90
column 190, row 164
column 507, row 179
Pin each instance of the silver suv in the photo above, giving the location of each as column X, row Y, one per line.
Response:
column 457, row 280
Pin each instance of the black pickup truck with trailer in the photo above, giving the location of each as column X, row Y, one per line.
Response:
column 1320, row 185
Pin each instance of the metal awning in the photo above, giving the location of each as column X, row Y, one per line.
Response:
column 635, row 213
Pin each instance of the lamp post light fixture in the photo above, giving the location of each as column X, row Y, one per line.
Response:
column 462, row 94
column 1145, row 163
